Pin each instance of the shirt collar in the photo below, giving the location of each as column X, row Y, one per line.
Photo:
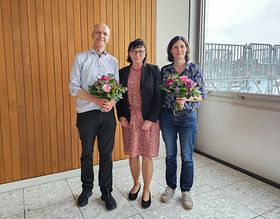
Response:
column 93, row 51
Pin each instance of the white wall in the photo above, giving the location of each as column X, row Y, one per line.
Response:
column 172, row 20
column 245, row 134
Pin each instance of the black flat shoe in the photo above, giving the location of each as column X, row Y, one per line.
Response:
column 146, row 204
column 133, row 196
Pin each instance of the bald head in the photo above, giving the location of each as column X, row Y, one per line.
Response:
column 101, row 26
column 100, row 36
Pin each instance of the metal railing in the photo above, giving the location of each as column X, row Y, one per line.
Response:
column 253, row 68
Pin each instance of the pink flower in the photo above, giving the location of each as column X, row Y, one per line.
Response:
column 168, row 82
column 105, row 78
column 106, row 88
column 184, row 78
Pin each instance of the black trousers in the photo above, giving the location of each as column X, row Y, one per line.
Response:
column 103, row 125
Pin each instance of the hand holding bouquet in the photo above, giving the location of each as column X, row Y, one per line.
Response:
column 107, row 88
column 181, row 86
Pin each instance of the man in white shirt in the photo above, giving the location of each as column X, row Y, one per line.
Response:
column 95, row 116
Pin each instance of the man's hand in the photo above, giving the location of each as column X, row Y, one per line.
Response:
column 106, row 105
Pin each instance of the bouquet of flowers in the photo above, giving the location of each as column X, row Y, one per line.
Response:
column 180, row 86
column 107, row 88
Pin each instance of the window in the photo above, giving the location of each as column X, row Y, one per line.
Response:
column 242, row 46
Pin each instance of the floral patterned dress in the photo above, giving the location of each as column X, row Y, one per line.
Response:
column 138, row 141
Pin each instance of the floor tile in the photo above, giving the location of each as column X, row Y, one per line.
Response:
column 265, row 186
column 11, row 203
column 173, row 210
column 252, row 196
column 200, row 187
column 17, row 216
column 135, row 217
column 215, row 176
column 214, row 204
column 47, row 194
column 61, row 210
column 274, row 214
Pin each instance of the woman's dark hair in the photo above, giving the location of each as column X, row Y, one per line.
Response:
column 172, row 42
column 133, row 45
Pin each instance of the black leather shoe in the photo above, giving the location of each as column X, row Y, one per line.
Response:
column 133, row 196
column 146, row 204
column 109, row 200
column 83, row 198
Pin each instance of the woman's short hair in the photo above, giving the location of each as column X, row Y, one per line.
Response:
column 172, row 42
column 136, row 44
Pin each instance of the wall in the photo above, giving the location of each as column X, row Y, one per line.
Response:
column 242, row 132
column 172, row 20
column 38, row 39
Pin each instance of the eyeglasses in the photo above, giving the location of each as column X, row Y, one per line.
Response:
column 140, row 52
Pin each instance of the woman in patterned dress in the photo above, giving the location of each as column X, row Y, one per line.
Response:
column 138, row 113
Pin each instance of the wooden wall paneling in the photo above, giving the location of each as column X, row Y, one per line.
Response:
column 32, row 19
column 42, row 60
column 22, row 165
column 65, row 81
column 121, row 55
column 78, row 46
column 137, row 19
column 90, row 22
column 143, row 20
column 154, row 16
column 30, row 150
column 2, row 88
column 115, row 50
column 109, row 22
column 40, row 39
column 6, row 158
column 103, row 11
column 13, row 156
column 84, row 25
column 149, row 31
column 71, row 50
column 58, row 85
column 132, row 19
column 48, row 11
column 96, row 13
column 121, row 34
column 126, row 36
column 2, row 179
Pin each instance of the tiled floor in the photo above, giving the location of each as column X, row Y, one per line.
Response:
column 218, row 192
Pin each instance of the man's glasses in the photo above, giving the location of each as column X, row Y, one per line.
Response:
column 140, row 52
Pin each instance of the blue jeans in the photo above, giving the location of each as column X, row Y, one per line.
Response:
column 185, row 125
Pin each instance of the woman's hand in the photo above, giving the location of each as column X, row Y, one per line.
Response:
column 146, row 125
column 124, row 122
column 181, row 100
column 195, row 99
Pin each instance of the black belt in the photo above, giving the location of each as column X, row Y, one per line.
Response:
column 177, row 112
